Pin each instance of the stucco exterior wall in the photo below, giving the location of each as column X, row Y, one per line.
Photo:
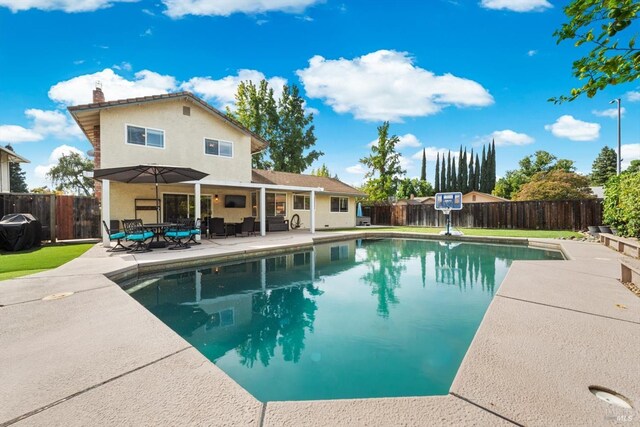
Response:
column 183, row 139
column 4, row 173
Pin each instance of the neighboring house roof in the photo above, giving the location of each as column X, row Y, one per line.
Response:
column 598, row 192
column 14, row 157
column 88, row 115
column 485, row 195
column 330, row 185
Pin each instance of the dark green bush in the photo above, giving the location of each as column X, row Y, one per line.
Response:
column 622, row 203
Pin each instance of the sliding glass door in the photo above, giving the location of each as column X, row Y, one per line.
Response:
column 176, row 206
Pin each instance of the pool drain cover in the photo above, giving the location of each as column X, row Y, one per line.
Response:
column 611, row 397
column 54, row 297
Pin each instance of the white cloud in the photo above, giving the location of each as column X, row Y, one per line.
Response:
column 53, row 123
column 633, row 96
column 405, row 162
column 70, row 6
column 223, row 91
column 357, row 169
column 45, row 123
column 576, row 130
column 629, row 152
column 432, row 153
column 180, row 8
column 78, row 90
column 15, row 134
column 507, row 137
column 147, row 33
column 404, row 141
column 123, row 66
column 386, row 85
column 532, row 52
column 610, row 112
column 40, row 171
column 517, row 5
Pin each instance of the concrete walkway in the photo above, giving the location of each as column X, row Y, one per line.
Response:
column 97, row 357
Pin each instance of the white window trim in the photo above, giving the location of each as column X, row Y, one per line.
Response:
column 286, row 203
column 338, row 211
column 126, row 136
column 192, row 195
column 293, row 202
column 204, row 148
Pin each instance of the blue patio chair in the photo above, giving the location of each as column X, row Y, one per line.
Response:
column 194, row 228
column 115, row 235
column 135, row 232
column 177, row 235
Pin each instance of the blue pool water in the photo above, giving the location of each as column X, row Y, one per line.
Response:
column 352, row 319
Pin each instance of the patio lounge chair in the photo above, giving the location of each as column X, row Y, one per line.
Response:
column 245, row 228
column 216, row 227
column 277, row 223
column 178, row 234
column 135, row 232
column 115, row 235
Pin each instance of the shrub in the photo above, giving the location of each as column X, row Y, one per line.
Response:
column 622, row 204
column 555, row 185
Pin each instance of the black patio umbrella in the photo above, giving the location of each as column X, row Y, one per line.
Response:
column 150, row 174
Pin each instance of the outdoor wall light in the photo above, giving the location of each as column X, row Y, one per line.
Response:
column 215, row 197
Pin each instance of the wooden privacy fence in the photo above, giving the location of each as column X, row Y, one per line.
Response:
column 529, row 215
column 62, row 217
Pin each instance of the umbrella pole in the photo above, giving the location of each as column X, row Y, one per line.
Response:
column 157, row 204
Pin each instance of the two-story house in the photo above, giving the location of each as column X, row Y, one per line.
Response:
column 180, row 129
column 6, row 158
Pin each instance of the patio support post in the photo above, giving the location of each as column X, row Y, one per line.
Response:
column 197, row 206
column 263, row 211
column 106, row 213
column 312, row 208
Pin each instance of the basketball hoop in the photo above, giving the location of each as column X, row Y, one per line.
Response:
column 447, row 202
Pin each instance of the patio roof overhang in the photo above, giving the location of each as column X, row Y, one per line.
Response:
column 253, row 185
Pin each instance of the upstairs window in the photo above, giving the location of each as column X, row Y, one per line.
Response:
column 339, row 204
column 137, row 135
column 214, row 147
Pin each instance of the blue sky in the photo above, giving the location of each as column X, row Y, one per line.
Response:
column 445, row 73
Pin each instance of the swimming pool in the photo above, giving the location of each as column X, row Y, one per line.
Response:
column 350, row 319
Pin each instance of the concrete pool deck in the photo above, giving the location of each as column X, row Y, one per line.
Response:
column 97, row 357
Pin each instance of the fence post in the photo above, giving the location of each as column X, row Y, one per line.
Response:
column 52, row 218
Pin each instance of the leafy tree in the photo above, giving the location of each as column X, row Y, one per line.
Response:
column 384, row 166
column 423, row 171
column 321, row 171
column 604, row 166
column 556, row 184
column 613, row 58
column 256, row 110
column 17, row 177
column 436, row 181
column 540, row 161
column 633, row 167
column 414, row 186
column 293, row 135
column 68, row 174
column 621, row 207
column 41, row 190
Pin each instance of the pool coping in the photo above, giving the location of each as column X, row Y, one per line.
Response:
column 469, row 401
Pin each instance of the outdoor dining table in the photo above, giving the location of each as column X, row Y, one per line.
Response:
column 159, row 229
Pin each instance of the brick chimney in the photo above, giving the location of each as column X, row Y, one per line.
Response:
column 98, row 96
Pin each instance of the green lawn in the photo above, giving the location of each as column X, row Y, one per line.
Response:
column 16, row 264
column 481, row 232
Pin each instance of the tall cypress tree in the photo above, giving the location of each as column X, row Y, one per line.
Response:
column 463, row 170
column 459, row 172
column 423, row 172
column 470, row 184
column 454, row 176
column 483, row 171
column 478, row 174
column 449, row 176
column 436, row 182
column 443, row 176
column 492, row 182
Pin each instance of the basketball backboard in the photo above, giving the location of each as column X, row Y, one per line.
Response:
column 449, row 201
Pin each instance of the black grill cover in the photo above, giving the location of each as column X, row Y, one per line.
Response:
column 20, row 231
